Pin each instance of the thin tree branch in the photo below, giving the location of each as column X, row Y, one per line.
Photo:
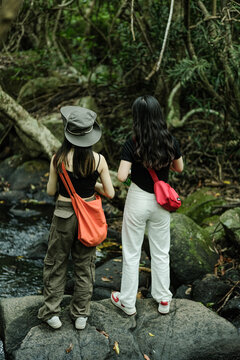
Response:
column 157, row 65
column 132, row 18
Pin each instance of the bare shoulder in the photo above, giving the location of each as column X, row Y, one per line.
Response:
column 99, row 161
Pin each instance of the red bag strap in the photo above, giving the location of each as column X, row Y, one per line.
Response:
column 153, row 175
column 67, row 181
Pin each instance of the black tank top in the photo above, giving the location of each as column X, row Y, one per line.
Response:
column 84, row 186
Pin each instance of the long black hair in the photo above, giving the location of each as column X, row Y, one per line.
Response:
column 154, row 143
column 83, row 159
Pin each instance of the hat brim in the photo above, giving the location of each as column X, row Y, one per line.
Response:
column 86, row 140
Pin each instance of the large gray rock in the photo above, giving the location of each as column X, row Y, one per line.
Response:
column 9, row 165
column 200, row 204
column 30, row 173
column 54, row 123
column 191, row 252
column 189, row 332
column 210, row 290
column 230, row 221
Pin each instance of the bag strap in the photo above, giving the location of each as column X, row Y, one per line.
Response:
column 153, row 175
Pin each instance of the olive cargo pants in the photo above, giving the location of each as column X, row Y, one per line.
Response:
column 63, row 241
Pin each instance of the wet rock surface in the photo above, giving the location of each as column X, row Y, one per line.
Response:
column 190, row 331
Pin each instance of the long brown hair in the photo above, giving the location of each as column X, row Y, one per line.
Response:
column 83, row 159
column 154, row 143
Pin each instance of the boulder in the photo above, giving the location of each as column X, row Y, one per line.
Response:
column 210, row 290
column 200, row 204
column 54, row 123
column 215, row 229
column 231, row 311
column 191, row 253
column 34, row 88
column 183, row 292
column 189, row 332
column 230, row 221
column 29, row 175
column 9, row 165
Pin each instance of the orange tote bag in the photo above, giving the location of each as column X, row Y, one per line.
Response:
column 92, row 225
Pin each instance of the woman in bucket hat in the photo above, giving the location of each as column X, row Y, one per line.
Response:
column 150, row 146
column 84, row 166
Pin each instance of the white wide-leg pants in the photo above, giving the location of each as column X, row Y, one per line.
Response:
column 141, row 210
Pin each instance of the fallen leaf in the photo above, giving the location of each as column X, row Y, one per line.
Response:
column 117, row 260
column 151, row 334
column 142, row 268
column 69, row 349
column 146, row 357
column 188, row 291
column 139, row 295
column 116, row 347
column 104, row 278
column 227, row 182
column 103, row 333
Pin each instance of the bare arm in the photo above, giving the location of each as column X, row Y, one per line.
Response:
column 106, row 187
column 177, row 165
column 52, row 180
column 123, row 170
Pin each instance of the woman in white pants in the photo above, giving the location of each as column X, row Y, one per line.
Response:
column 150, row 146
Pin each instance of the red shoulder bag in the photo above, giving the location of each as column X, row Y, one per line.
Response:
column 92, row 225
column 166, row 196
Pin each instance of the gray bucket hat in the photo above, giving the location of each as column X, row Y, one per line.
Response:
column 80, row 126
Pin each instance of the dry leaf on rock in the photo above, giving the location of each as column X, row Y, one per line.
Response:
column 116, row 347
column 104, row 278
column 69, row 349
column 103, row 333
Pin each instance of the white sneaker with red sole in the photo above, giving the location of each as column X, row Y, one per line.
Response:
column 164, row 307
column 116, row 301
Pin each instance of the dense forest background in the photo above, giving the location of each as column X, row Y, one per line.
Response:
column 186, row 53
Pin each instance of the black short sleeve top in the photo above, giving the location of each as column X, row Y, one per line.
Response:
column 139, row 174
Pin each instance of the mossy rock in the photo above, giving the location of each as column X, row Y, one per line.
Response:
column 214, row 229
column 29, row 174
column 191, row 252
column 54, row 123
column 230, row 221
column 200, row 205
column 87, row 102
column 9, row 165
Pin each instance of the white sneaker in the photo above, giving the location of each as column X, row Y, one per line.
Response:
column 54, row 322
column 116, row 301
column 80, row 323
column 164, row 307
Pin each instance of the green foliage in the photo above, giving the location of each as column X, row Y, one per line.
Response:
column 189, row 71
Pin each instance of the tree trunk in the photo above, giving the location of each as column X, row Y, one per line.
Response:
column 35, row 136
